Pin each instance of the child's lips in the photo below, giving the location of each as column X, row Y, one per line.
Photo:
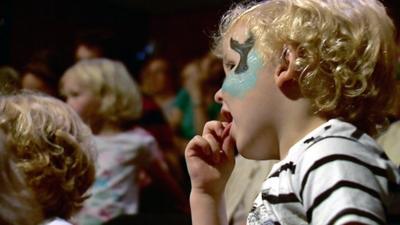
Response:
column 226, row 116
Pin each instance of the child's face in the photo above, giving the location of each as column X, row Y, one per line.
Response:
column 249, row 96
column 80, row 98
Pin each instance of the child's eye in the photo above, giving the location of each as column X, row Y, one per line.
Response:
column 74, row 94
column 229, row 66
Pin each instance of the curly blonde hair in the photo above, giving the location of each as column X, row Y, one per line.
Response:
column 111, row 81
column 18, row 204
column 345, row 52
column 53, row 148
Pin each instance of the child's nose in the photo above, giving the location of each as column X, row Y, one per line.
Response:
column 218, row 96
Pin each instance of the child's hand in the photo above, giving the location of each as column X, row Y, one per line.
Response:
column 210, row 158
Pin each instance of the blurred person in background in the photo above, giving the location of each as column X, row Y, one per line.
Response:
column 194, row 104
column 17, row 202
column 53, row 150
column 159, row 81
column 43, row 72
column 94, row 44
column 108, row 99
column 10, row 80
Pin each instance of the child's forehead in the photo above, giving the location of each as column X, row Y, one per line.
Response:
column 241, row 37
column 76, row 77
column 239, row 31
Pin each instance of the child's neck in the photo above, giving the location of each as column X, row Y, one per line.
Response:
column 297, row 133
column 295, row 127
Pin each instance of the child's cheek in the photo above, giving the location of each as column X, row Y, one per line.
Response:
column 238, row 84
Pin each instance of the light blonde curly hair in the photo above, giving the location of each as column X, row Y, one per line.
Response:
column 345, row 52
column 53, row 148
column 111, row 81
column 18, row 204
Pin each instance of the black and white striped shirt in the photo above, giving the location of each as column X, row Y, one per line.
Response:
column 334, row 175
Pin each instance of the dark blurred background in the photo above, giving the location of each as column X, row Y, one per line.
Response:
column 178, row 29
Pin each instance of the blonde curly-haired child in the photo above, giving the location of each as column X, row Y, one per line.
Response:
column 308, row 82
column 17, row 202
column 53, row 150
column 108, row 99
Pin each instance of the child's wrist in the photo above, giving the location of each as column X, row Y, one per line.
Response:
column 202, row 196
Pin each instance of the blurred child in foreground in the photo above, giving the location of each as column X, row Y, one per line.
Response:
column 53, row 150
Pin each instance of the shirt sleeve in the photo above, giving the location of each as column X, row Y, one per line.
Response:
column 341, row 182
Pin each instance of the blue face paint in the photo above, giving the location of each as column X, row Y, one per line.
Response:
column 238, row 84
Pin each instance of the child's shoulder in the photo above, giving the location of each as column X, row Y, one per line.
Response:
column 337, row 137
column 336, row 143
column 339, row 147
column 136, row 137
column 138, row 132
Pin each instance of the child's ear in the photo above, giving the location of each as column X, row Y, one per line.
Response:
column 286, row 75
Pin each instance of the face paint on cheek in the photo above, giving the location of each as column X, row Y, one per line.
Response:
column 238, row 84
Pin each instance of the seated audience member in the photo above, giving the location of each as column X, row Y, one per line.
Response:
column 43, row 71
column 108, row 100
column 53, row 149
column 94, row 44
column 159, row 82
column 17, row 203
column 194, row 104
column 10, row 80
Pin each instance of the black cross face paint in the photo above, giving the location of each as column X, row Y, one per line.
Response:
column 243, row 50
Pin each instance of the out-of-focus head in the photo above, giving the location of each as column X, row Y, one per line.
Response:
column 213, row 70
column 102, row 89
column 192, row 73
column 53, row 148
column 18, row 204
column 94, row 44
column 10, row 80
column 157, row 77
column 43, row 72
column 344, row 50
column 87, row 52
